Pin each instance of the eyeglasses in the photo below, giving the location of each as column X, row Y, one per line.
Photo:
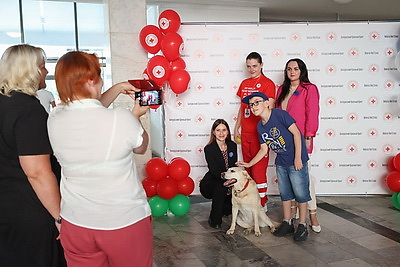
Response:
column 255, row 103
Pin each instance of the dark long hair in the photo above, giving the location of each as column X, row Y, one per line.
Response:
column 286, row 82
column 255, row 55
column 214, row 126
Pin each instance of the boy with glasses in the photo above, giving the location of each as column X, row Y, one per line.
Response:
column 277, row 130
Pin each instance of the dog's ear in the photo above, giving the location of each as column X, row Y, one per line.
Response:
column 245, row 174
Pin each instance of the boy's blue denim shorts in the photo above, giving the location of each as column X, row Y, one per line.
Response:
column 293, row 184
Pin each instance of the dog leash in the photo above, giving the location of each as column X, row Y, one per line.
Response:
column 244, row 188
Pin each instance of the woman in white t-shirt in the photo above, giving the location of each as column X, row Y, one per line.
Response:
column 106, row 217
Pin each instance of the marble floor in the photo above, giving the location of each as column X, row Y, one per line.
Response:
column 356, row 231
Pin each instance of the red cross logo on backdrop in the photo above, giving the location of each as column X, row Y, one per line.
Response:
column 199, row 87
column 218, row 38
column 373, row 101
column 330, row 101
column 218, row 102
column 373, row 69
column 253, row 37
column 234, row 118
column 372, row 164
column 331, row 69
column 389, row 85
column 295, row 37
column 353, row 85
column 388, row 117
column 180, row 135
column 374, row 36
column 235, row 54
column 330, row 133
column 329, row 165
column 234, row 87
column 352, row 117
column 276, row 180
column 331, row 37
column 199, row 149
column 199, row 118
column 351, row 180
column 352, row 149
column 387, row 149
column 389, row 52
column 353, row 53
column 218, row 71
column 312, row 53
column 179, row 104
column 372, row 133
column 277, row 53
column 199, row 54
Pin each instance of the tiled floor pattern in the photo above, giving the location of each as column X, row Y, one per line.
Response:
column 356, row 231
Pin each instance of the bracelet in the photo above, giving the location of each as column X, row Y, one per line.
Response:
column 58, row 220
column 308, row 138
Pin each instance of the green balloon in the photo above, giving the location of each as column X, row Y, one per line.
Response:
column 396, row 200
column 179, row 205
column 158, row 206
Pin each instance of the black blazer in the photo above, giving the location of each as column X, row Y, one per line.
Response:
column 215, row 160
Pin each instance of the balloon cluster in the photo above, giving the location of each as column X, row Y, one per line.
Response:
column 168, row 186
column 393, row 179
column 169, row 66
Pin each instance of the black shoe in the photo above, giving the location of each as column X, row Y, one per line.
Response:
column 213, row 225
column 284, row 229
column 301, row 233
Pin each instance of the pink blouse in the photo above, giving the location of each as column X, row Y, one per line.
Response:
column 303, row 106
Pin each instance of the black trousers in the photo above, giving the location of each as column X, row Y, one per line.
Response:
column 213, row 188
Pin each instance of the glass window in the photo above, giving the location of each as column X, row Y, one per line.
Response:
column 10, row 33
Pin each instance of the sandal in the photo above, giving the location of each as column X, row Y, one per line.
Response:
column 315, row 228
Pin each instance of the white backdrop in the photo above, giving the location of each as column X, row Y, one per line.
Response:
column 353, row 65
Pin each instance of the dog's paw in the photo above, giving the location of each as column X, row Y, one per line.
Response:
column 247, row 231
column 257, row 233
column 272, row 229
column 230, row 231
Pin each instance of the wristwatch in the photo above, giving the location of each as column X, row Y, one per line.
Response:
column 58, row 220
column 308, row 138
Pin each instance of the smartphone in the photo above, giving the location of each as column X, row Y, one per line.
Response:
column 149, row 98
column 144, row 84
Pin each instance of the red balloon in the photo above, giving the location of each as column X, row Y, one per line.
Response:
column 150, row 38
column 390, row 165
column 179, row 169
column 169, row 21
column 178, row 64
column 158, row 69
column 172, row 46
column 175, row 159
column 150, row 187
column 393, row 181
column 156, row 169
column 167, row 188
column 179, row 81
column 186, row 186
column 396, row 161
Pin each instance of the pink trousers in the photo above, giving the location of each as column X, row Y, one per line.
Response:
column 126, row 247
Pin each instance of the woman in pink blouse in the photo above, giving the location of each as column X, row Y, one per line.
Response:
column 300, row 98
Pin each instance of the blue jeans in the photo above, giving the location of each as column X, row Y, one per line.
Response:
column 293, row 184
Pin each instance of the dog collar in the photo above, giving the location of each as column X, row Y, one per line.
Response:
column 244, row 188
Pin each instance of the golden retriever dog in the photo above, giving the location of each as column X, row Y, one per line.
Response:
column 246, row 206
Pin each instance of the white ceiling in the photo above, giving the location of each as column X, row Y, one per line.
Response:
column 309, row 10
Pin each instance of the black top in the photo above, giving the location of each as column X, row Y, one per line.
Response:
column 215, row 159
column 23, row 131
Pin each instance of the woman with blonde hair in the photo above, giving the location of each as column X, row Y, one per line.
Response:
column 106, row 220
column 29, row 193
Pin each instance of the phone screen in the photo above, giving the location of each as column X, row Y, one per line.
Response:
column 149, row 98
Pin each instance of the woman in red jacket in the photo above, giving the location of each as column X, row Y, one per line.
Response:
column 300, row 98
